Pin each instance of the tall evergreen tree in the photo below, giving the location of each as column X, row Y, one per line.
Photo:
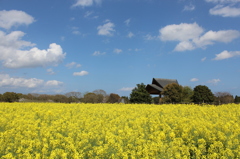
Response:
column 202, row 94
column 140, row 95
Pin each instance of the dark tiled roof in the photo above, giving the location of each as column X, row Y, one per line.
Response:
column 158, row 84
column 163, row 82
column 153, row 89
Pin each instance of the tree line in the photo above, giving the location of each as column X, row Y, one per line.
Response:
column 172, row 93
column 97, row 96
column 175, row 93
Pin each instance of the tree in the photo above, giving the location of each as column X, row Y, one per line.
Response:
column 10, row 97
column 223, row 98
column 187, row 94
column 172, row 93
column 101, row 95
column 113, row 98
column 140, row 95
column 74, row 94
column 125, row 99
column 155, row 100
column 202, row 94
column 90, row 98
column 237, row 99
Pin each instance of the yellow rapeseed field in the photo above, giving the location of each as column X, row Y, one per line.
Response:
column 52, row 130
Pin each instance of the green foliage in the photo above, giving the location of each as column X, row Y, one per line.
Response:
column 90, row 98
column 140, row 95
column 187, row 94
column 10, row 97
column 202, row 94
column 237, row 99
column 155, row 100
column 113, row 98
column 175, row 93
column 172, row 93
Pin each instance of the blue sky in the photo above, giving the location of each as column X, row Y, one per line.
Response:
column 59, row 46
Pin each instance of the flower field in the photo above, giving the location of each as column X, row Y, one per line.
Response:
column 52, row 130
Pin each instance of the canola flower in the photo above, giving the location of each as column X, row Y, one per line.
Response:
column 121, row 131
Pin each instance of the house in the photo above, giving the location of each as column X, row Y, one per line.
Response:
column 158, row 84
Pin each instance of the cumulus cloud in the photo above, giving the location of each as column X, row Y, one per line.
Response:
column 98, row 53
column 117, row 51
column 190, row 36
column 86, row 3
column 210, row 37
column 223, row 1
column 225, row 11
column 15, row 53
column 12, row 18
column 73, row 64
column 225, row 8
column 106, row 29
column 127, row 89
column 180, row 32
column 7, row 81
column 214, row 81
column 82, row 73
column 53, row 83
column 194, row 79
column 19, row 82
column 184, row 45
column 226, row 54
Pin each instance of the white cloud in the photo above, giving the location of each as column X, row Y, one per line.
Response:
column 181, row 32
column 13, row 54
column 225, row 8
column 106, row 29
column 98, row 53
column 53, row 83
column 88, row 13
column 190, row 36
column 194, row 79
column 82, row 73
column 50, row 71
column 76, row 32
column 214, row 81
column 150, row 37
column 210, row 37
column 203, row 59
column 130, row 35
column 86, row 3
column 127, row 22
column 223, row 1
column 12, row 18
column 73, row 64
column 127, row 89
column 189, row 7
column 225, row 11
column 7, row 81
column 117, row 51
column 37, row 85
column 184, row 45
column 226, row 54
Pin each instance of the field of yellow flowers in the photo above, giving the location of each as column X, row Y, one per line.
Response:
column 52, row 130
